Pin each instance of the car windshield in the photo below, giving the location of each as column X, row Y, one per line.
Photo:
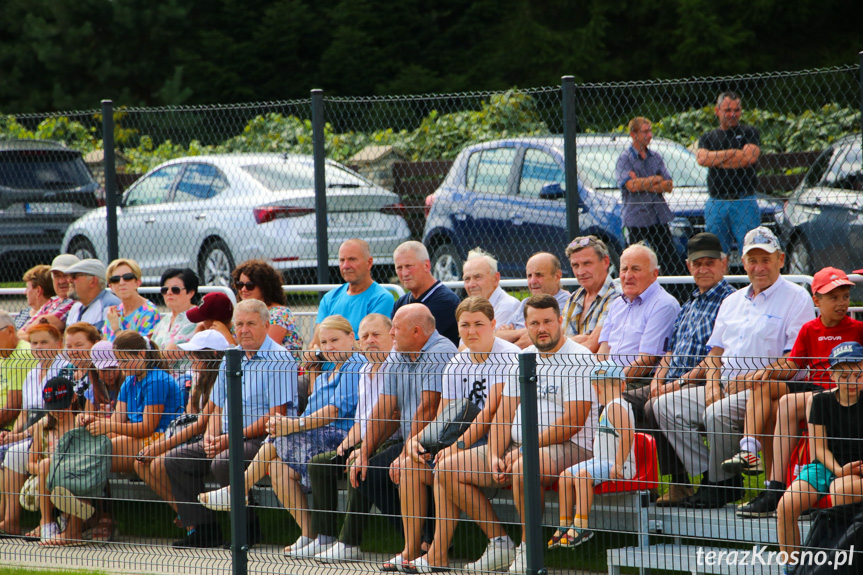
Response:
column 839, row 168
column 596, row 165
column 281, row 176
column 43, row 170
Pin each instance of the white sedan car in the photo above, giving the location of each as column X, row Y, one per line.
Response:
column 209, row 213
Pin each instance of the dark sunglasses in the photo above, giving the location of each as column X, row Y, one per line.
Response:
column 126, row 277
column 248, row 285
column 173, row 289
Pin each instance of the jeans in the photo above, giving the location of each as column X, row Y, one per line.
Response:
column 731, row 219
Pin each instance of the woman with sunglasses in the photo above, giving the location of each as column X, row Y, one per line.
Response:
column 256, row 279
column 179, row 288
column 134, row 312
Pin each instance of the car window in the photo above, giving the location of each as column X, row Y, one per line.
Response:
column 488, row 170
column 538, row 169
column 683, row 167
column 845, row 171
column 43, row 170
column 200, row 182
column 153, row 189
column 300, row 175
column 596, row 165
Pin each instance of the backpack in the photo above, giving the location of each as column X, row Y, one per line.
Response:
column 833, row 531
column 81, row 463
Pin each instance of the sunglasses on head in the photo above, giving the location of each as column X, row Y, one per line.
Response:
column 173, row 289
column 248, row 285
column 582, row 241
column 126, row 277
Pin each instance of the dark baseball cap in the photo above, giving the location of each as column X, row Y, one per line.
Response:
column 848, row 352
column 215, row 306
column 57, row 393
column 703, row 245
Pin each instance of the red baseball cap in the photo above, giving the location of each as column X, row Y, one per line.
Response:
column 829, row 279
column 216, row 306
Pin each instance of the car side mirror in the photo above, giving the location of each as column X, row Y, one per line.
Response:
column 551, row 191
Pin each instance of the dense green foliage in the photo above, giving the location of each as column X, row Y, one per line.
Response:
column 70, row 54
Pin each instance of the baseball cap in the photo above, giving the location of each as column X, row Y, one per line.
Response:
column 207, row 339
column 62, row 262
column 57, row 393
column 848, row 352
column 102, row 355
column 761, row 238
column 828, row 279
column 88, row 267
column 214, row 305
column 606, row 370
column 703, row 245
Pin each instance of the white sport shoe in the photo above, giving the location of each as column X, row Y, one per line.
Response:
column 298, row 545
column 497, row 557
column 340, row 552
column 519, row 564
column 313, row 549
column 218, row 500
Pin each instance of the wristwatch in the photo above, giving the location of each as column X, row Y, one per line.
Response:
column 461, row 444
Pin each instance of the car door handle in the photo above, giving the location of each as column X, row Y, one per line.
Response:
column 150, row 221
column 201, row 217
column 516, row 218
column 460, row 215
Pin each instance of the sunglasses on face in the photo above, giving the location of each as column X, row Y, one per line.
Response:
column 247, row 285
column 125, row 277
column 173, row 289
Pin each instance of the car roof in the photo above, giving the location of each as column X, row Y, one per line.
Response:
column 23, row 144
column 582, row 139
column 247, row 158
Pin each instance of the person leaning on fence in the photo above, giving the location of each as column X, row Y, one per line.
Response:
column 781, row 399
column 88, row 279
column 39, row 291
column 411, row 393
column 754, row 326
column 543, row 277
column 477, row 374
column 482, row 279
column 269, row 388
column 613, row 457
column 207, row 349
column 836, row 436
column 730, row 153
column 684, row 365
column 135, row 313
column 413, row 268
column 587, row 308
column 375, row 342
column 16, row 360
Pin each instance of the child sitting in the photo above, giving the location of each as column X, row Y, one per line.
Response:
column 613, row 457
column 835, row 432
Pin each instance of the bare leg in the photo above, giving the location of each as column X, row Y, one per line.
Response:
column 71, row 535
column 797, row 499
column 413, row 482
column 286, row 485
column 846, row 490
column 583, row 497
column 12, row 484
column 124, row 450
column 792, row 411
column 567, row 493
column 46, row 508
column 446, row 520
column 461, row 478
column 153, row 473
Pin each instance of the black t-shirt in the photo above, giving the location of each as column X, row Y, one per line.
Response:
column 442, row 302
column 843, row 425
column 730, row 184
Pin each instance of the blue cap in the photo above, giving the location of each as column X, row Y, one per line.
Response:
column 607, row 370
column 848, row 352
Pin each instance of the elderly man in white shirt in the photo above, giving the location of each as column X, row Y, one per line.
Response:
column 481, row 278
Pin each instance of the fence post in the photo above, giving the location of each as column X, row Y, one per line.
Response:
column 110, row 178
column 533, row 540
column 236, row 465
column 320, row 186
column 569, row 157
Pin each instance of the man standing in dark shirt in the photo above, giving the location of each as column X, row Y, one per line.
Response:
column 730, row 154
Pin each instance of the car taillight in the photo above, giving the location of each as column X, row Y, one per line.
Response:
column 428, row 204
column 394, row 210
column 100, row 197
column 269, row 213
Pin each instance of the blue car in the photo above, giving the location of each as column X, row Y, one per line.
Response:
column 507, row 197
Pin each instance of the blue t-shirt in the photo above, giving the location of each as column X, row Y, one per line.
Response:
column 441, row 302
column 157, row 388
column 355, row 307
column 341, row 390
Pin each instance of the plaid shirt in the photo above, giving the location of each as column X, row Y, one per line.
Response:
column 693, row 328
column 579, row 322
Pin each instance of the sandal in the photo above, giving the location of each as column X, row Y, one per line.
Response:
column 396, row 564
column 106, row 530
column 575, row 537
column 554, row 542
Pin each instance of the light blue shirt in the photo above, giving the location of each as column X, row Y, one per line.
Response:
column 157, row 388
column 340, row 389
column 355, row 307
column 269, row 380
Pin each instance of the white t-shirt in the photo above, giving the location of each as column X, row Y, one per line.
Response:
column 607, row 439
column 369, row 390
column 464, row 378
column 561, row 377
column 31, row 391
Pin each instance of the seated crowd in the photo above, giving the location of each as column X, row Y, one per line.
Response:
column 752, row 369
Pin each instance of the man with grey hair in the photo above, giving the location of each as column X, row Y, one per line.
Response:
column 15, row 362
column 88, row 287
column 730, row 153
column 413, row 267
column 587, row 308
column 482, row 279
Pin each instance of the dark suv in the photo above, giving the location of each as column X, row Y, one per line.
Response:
column 44, row 187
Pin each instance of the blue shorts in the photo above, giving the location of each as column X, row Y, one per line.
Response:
column 599, row 469
column 818, row 476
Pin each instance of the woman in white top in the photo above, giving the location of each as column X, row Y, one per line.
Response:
column 179, row 288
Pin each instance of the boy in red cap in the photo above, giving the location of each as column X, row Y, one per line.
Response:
column 782, row 400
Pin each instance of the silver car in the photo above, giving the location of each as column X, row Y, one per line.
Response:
column 211, row 212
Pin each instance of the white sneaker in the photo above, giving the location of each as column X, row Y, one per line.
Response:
column 340, row 552
column 497, row 557
column 218, row 500
column 49, row 531
column 519, row 564
column 298, row 545
column 313, row 549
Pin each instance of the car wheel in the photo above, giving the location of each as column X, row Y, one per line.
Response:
column 446, row 263
column 82, row 248
column 215, row 264
column 799, row 258
column 613, row 260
